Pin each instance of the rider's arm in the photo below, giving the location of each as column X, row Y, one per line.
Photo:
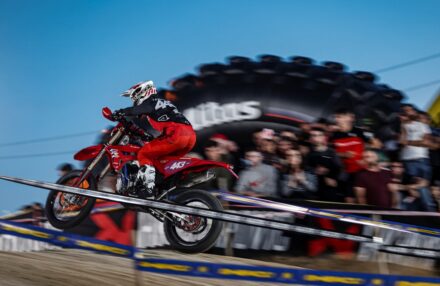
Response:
column 136, row 130
column 145, row 108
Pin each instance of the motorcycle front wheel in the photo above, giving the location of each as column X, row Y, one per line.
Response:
column 65, row 210
column 193, row 234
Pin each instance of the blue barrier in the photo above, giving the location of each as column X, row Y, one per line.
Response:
column 276, row 274
column 212, row 270
column 66, row 240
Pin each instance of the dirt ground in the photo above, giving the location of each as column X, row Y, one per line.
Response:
column 75, row 267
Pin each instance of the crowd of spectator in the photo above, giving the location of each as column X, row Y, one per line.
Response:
column 334, row 160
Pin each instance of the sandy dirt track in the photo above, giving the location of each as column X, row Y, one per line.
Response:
column 75, row 267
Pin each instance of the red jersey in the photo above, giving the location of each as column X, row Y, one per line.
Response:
column 352, row 141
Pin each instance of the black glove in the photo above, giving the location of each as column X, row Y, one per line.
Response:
column 118, row 115
column 146, row 136
column 136, row 130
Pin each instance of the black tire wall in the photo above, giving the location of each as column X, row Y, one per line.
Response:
column 286, row 93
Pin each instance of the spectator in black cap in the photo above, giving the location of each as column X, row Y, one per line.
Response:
column 284, row 144
column 327, row 166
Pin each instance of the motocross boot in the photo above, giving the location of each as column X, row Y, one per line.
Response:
column 145, row 182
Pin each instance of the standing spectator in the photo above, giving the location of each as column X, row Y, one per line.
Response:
column 64, row 168
column 298, row 183
column 373, row 185
column 416, row 140
column 227, row 148
column 377, row 146
column 398, row 181
column 304, row 147
column 283, row 146
column 391, row 148
column 434, row 151
column 304, row 133
column 268, row 147
column 303, row 139
column 258, row 179
column 256, row 139
column 405, row 188
column 411, row 198
column 37, row 214
column 223, row 179
column 327, row 166
column 349, row 143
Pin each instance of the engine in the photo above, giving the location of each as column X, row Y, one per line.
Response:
column 126, row 177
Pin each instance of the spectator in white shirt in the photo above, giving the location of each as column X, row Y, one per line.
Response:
column 415, row 140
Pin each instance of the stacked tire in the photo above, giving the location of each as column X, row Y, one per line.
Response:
column 287, row 94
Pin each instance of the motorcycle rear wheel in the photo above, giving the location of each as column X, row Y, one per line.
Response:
column 61, row 210
column 204, row 231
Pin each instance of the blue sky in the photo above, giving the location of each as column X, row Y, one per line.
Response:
column 61, row 61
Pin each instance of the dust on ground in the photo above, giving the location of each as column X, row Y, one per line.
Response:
column 76, row 267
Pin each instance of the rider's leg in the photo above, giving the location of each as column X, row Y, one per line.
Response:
column 145, row 181
column 177, row 141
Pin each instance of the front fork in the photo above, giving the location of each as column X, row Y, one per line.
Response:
column 98, row 158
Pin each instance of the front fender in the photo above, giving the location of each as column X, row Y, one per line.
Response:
column 88, row 153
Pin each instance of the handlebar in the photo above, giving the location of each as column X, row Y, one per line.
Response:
column 128, row 126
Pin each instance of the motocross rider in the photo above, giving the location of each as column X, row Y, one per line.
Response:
column 177, row 135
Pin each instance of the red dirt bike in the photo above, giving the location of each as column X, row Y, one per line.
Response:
column 175, row 178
